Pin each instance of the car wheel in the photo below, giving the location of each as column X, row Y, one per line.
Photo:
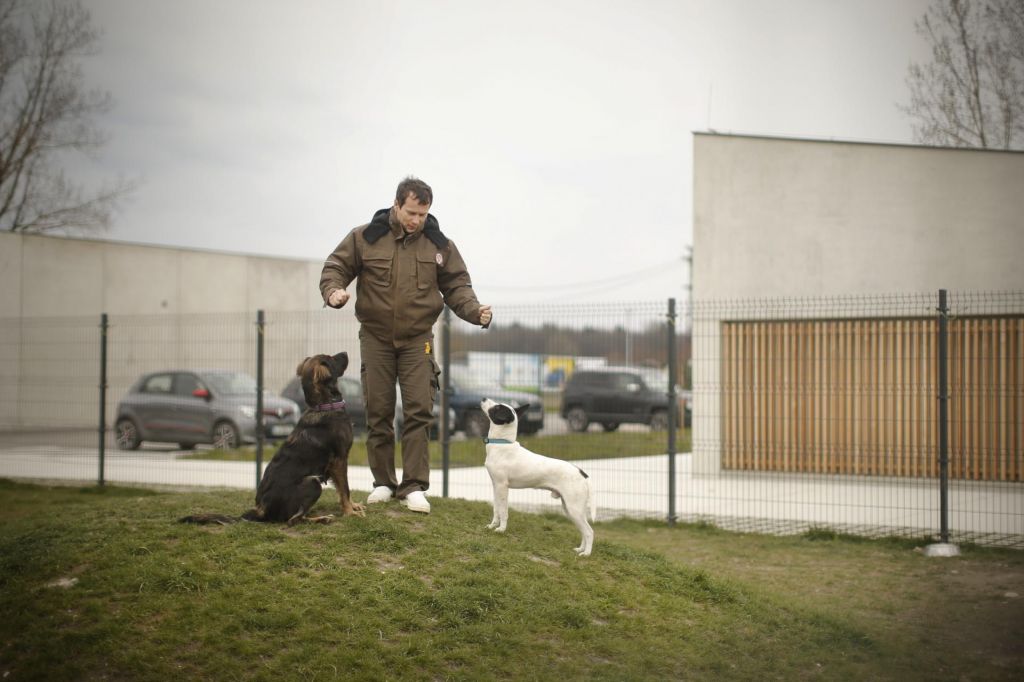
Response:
column 609, row 426
column 577, row 419
column 477, row 425
column 127, row 435
column 225, row 436
column 659, row 421
column 187, row 446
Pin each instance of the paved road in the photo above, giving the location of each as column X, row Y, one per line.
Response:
column 88, row 437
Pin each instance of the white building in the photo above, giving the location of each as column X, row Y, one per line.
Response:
column 812, row 352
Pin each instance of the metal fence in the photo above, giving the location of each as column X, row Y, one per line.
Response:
column 806, row 413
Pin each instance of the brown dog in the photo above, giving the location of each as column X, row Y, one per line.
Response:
column 316, row 450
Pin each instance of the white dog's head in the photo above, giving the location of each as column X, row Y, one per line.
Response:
column 504, row 419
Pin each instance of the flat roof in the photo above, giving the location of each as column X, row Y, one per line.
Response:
column 834, row 140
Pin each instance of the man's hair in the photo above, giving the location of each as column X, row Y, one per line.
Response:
column 415, row 187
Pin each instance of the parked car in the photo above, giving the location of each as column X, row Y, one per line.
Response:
column 467, row 392
column 199, row 406
column 657, row 380
column 352, row 390
column 612, row 396
column 686, row 403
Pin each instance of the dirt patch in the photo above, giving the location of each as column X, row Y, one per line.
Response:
column 542, row 560
column 979, row 604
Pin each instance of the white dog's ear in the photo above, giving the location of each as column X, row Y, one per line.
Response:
column 521, row 410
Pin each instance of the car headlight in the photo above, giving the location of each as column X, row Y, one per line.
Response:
column 248, row 410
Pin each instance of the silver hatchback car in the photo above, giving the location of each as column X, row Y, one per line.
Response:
column 199, row 406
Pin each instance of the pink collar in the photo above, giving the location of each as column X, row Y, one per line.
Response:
column 329, row 407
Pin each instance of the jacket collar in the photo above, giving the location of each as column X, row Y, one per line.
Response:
column 381, row 224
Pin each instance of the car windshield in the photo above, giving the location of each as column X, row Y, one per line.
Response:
column 230, row 383
column 657, row 380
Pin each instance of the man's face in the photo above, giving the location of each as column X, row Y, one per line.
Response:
column 411, row 213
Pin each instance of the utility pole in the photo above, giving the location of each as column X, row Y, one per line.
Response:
column 688, row 257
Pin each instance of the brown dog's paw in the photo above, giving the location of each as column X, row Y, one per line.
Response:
column 355, row 509
column 325, row 519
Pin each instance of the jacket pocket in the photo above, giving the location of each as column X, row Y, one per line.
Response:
column 426, row 272
column 435, row 380
column 377, row 271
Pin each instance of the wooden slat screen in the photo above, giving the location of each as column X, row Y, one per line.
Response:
column 859, row 396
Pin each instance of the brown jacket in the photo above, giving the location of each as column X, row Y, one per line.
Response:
column 402, row 278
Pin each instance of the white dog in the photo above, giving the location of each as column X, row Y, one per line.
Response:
column 513, row 466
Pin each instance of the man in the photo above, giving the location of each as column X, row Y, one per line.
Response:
column 406, row 270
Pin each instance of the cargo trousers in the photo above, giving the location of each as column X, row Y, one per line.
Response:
column 411, row 363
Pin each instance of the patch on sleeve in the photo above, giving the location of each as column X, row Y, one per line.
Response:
column 439, row 259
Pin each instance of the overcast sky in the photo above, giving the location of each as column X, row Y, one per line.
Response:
column 557, row 135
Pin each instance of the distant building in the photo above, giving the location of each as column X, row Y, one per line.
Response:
column 167, row 308
column 43, row 276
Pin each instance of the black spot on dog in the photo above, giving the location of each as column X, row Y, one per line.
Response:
column 501, row 414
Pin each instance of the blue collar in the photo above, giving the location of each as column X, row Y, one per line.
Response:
column 498, row 441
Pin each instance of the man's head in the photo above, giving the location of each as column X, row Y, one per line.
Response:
column 412, row 203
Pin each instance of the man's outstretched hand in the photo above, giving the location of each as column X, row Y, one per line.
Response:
column 338, row 298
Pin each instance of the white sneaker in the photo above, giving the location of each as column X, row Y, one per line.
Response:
column 416, row 501
column 381, row 493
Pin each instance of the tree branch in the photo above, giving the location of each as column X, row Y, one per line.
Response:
column 47, row 114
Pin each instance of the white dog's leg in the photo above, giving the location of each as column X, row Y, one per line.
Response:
column 500, row 519
column 576, row 509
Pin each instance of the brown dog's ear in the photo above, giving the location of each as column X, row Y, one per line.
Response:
column 314, row 373
column 298, row 370
column 321, row 373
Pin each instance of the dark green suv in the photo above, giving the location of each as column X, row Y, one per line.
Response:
column 612, row 396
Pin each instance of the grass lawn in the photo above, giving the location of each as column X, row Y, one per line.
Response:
column 103, row 584
column 570, row 446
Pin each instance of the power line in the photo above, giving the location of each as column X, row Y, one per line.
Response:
column 605, row 282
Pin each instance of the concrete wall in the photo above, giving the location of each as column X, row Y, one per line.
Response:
column 798, row 219
column 779, row 217
column 51, row 277
column 168, row 308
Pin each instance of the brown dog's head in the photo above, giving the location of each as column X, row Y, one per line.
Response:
column 320, row 377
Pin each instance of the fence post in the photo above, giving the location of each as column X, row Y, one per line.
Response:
column 943, row 548
column 260, row 327
column 672, row 416
column 944, row 415
column 446, row 365
column 104, row 326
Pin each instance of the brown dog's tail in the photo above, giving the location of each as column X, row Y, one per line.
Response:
column 255, row 514
column 209, row 518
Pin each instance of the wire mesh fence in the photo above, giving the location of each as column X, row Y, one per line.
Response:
column 778, row 416
column 824, row 413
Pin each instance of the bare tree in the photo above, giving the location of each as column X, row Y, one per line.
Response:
column 46, row 113
column 972, row 92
